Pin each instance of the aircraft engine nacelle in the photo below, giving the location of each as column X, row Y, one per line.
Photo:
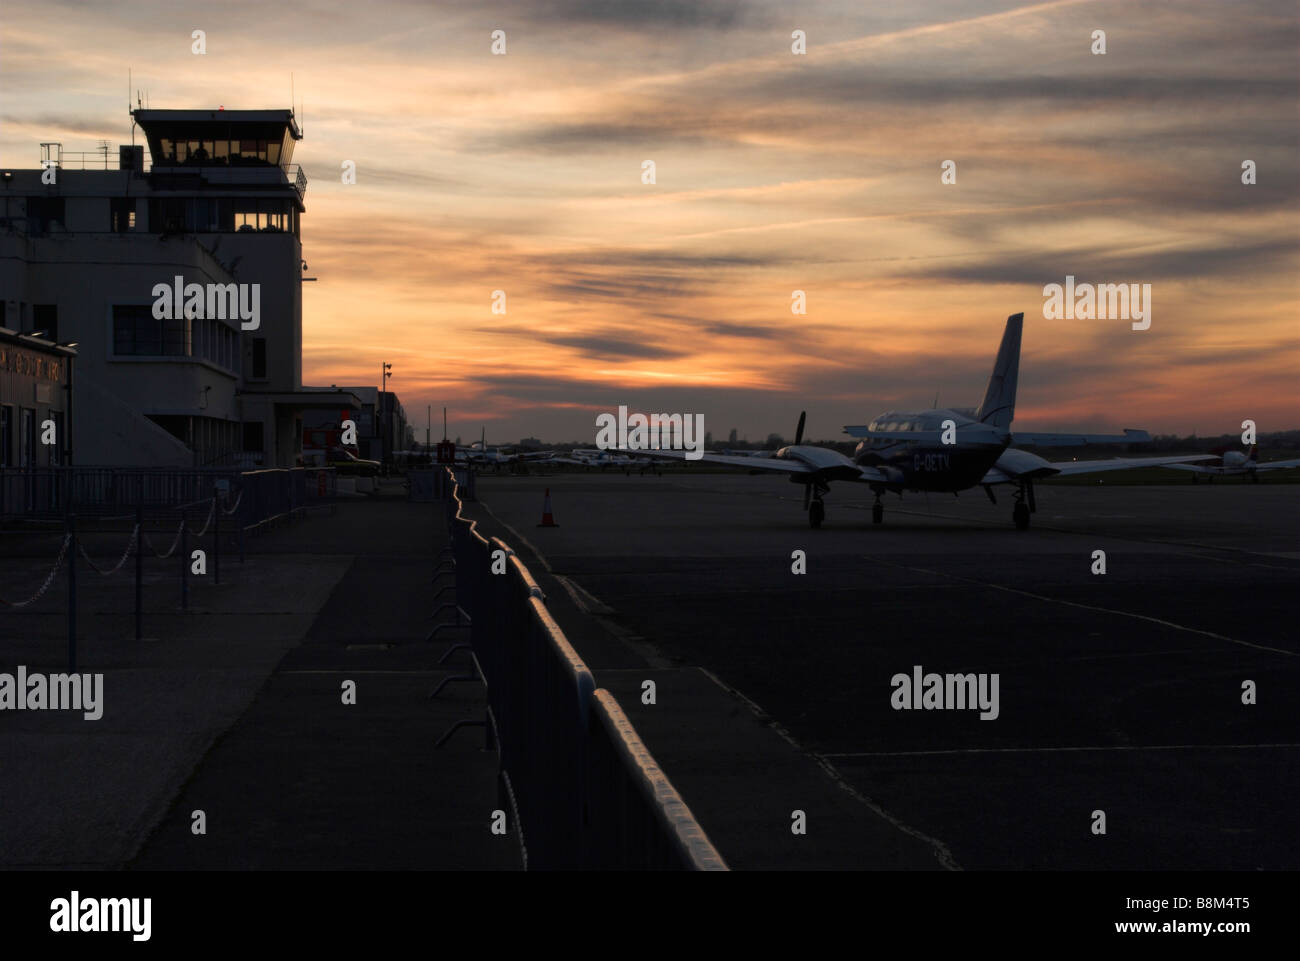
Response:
column 1018, row 463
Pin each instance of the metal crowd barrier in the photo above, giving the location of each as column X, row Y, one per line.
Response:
column 52, row 491
column 636, row 820
column 586, row 792
column 47, row 492
column 437, row 484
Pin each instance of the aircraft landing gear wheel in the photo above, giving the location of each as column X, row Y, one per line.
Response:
column 816, row 514
column 877, row 513
column 1020, row 514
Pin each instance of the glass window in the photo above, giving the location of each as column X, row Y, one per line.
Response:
column 221, row 151
column 6, row 436
column 26, row 437
column 176, row 337
column 136, row 333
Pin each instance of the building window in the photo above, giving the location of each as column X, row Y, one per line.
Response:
column 26, row 437
column 138, row 333
column 6, row 436
column 43, row 212
column 166, row 215
column 121, row 214
column 259, row 358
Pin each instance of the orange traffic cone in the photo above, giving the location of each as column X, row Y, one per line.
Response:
column 547, row 519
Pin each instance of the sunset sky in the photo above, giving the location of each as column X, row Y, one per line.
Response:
column 775, row 172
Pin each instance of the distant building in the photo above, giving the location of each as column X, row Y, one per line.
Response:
column 393, row 427
column 84, row 249
column 530, row 443
column 35, row 400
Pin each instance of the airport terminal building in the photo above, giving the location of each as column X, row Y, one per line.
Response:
column 89, row 244
column 35, row 397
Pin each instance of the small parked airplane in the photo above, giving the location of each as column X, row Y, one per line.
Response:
column 942, row 450
column 603, row 459
column 1233, row 463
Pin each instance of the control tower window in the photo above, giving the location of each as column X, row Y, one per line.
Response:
column 198, row 151
column 261, row 215
column 250, row 151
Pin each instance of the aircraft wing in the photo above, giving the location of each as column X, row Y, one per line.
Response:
column 1079, row 440
column 1069, row 467
column 783, row 465
column 731, row 460
column 1268, row 465
column 1004, row 474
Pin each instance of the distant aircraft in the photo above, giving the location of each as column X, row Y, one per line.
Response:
column 942, row 450
column 603, row 459
column 1233, row 463
column 479, row 454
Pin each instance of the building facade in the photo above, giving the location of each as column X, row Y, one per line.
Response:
column 35, row 401
column 180, row 281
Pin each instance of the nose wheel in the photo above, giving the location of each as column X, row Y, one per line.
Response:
column 812, row 502
column 878, row 511
column 1020, row 514
column 816, row 513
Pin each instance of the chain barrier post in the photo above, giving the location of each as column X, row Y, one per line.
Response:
column 71, row 531
column 216, row 536
column 139, row 568
column 185, row 563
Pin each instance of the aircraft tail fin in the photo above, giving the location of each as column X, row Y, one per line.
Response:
column 999, row 404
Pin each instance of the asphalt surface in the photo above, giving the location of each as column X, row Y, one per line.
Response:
column 1119, row 693
column 234, row 707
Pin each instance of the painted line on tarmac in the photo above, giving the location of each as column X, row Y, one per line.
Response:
column 941, row 852
column 585, row 601
column 1056, row 750
column 520, row 537
column 1088, row 607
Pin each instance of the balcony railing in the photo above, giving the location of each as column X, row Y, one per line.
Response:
column 291, row 174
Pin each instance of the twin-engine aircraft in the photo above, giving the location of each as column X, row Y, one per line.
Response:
column 942, row 450
column 1234, row 463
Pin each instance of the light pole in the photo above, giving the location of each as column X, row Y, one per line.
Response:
column 383, row 433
